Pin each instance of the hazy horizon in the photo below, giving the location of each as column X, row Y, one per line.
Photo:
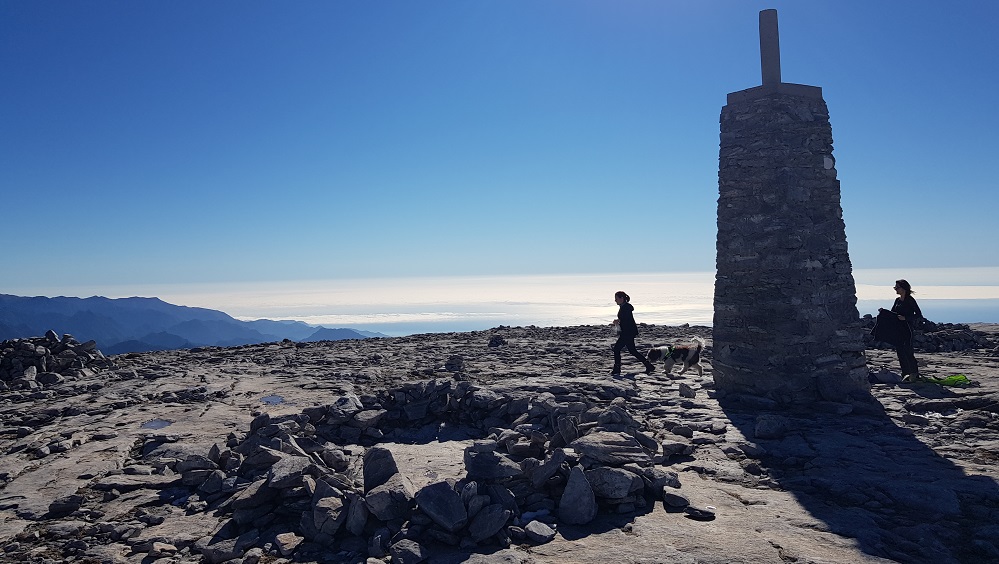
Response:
column 395, row 306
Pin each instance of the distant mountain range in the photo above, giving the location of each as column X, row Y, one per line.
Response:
column 149, row 324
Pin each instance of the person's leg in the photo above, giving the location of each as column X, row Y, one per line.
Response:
column 618, row 346
column 910, row 360
column 907, row 360
column 649, row 367
column 901, row 359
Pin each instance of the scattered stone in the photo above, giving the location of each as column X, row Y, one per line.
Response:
column 769, row 426
column 700, row 513
column 673, row 500
column 161, row 550
column 328, row 514
column 391, row 500
column 287, row 543
column 65, row 505
column 407, row 551
column 488, row 522
column 611, row 448
column 379, row 466
column 613, row 483
column 578, row 505
column 539, row 533
column 455, row 363
column 442, row 504
column 489, row 465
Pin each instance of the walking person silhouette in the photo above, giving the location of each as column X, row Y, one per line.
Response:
column 628, row 328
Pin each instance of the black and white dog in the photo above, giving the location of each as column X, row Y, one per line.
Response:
column 688, row 355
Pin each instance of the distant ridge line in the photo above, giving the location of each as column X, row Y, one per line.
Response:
column 141, row 324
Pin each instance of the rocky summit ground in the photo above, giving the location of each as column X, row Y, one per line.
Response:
column 506, row 445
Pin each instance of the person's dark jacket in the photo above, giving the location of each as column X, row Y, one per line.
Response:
column 888, row 328
column 626, row 318
column 909, row 308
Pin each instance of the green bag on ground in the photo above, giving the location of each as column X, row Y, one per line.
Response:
column 959, row 380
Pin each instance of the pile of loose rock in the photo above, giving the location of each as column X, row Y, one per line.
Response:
column 39, row 363
column 935, row 337
column 302, row 484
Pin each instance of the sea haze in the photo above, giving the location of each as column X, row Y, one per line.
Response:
column 402, row 306
column 419, row 305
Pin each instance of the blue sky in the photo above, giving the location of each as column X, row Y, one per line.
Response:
column 159, row 143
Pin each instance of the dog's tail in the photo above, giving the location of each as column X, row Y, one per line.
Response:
column 700, row 343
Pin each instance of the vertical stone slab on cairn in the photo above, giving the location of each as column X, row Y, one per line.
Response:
column 786, row 325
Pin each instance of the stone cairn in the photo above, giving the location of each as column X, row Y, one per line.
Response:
column 304, row 484
column 786, row 325
column 936, row 337
column 37, row 364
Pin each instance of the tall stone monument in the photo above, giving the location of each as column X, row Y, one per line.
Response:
column 786, row 325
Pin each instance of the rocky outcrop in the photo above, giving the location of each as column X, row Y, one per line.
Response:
column 935, row 337
column 42, row 363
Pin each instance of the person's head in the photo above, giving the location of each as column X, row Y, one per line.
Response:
column 903, row 288
column 621, row 297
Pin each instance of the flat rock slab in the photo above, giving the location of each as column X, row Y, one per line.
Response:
column 430, row 462
column 568, row 388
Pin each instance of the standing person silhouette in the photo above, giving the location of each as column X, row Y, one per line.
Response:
column 907, row 311
column 628, row 328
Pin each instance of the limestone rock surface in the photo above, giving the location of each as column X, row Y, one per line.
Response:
column 258, row 453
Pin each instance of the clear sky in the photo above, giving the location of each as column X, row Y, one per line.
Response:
column 181, row 142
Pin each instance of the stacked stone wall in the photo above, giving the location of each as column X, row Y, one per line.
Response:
column 785, row 322
column 305, row 478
